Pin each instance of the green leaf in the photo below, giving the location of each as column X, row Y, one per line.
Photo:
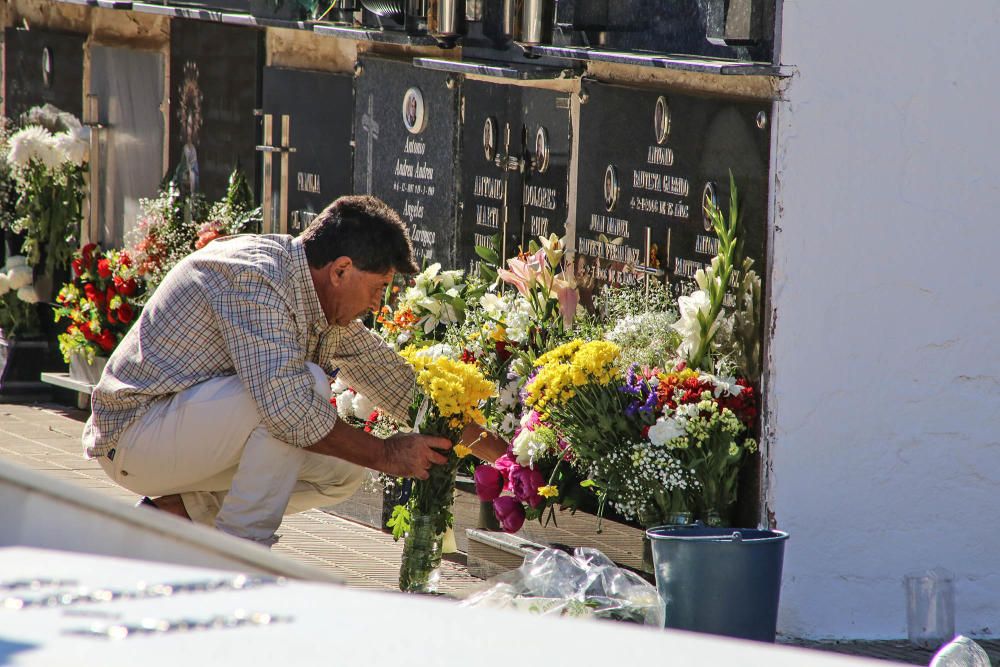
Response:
column 488, row 254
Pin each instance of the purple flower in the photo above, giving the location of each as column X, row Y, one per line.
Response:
column 509, row 513
column 489, row 482
column 524, row 482
column 504, row 464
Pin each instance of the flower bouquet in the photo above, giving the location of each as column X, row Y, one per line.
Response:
column 46, row 159
column 536, row 471
column 449, row 395
column 100, row 302
column 423, row 311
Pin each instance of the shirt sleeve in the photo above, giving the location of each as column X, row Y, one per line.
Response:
column 370, row 366
column 258, row 328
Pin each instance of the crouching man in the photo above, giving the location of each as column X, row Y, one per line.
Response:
column 216, row 403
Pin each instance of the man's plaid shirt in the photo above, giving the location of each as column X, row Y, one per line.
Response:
column 245, row 306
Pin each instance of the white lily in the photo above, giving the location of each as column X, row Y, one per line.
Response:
column 28, row 294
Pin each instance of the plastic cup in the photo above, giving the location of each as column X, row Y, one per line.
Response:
column 930, row 607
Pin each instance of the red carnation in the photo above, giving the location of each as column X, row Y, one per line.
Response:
column 106, row 340
column 104, row 268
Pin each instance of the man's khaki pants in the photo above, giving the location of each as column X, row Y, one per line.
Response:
column 207, row 443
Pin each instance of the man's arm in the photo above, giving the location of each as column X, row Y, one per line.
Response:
column 402, row 455
column 368, row 365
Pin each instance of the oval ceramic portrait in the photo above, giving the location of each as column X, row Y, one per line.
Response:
column 414, row 112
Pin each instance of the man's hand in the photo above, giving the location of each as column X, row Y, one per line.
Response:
column 412, row 454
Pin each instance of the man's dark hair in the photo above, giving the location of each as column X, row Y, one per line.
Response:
column 363, row 228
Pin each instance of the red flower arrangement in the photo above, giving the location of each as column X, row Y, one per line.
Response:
column 100, row 302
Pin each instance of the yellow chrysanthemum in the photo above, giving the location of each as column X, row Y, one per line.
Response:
column 548, row 491
column 461, row 451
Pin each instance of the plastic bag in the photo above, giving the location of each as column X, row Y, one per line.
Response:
column 961, row 652
column 585, row 584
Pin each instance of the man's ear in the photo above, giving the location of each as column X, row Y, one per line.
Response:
column 338, row 269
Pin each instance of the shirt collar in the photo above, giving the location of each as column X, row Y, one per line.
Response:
column 310, row 301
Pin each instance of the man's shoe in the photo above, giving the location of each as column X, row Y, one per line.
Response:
column 147, row 502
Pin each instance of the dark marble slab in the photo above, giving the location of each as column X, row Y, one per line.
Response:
column 413, row 171
column 320, row 122
column 215, row 80
column 651, row 227
column 30, row 82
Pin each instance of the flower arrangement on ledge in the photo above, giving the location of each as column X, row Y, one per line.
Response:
column 651, row 412
column 46, row 159
column 449, row 395
column 100, row 302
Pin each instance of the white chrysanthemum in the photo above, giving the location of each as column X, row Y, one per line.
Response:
column 509, row 395
column 664, row 430
column 73, row 147
column 438, row 350
column 15, row 260
column 29, row 144
column 4, row 284
column 20, row 276
column 507, row 425
column 28, row 294
column 338, row 386
column 362, row 406
column 345, row 404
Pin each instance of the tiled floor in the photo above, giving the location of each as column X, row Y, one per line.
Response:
column 46, row 438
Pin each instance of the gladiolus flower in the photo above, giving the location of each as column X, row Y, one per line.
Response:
column 509, row 513
column 489, row 482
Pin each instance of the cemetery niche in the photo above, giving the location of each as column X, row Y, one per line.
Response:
column 214, row 89
column 640, row 188
column 306, row 148
column 44, row 67
column 515, row 167
column 406, row 137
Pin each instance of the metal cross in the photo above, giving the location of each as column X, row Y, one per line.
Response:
column 370, row 125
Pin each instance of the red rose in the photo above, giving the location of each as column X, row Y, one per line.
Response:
column 104, row 268
column 77, row 265
column 87, row 331
column 124, row 259
column 111, row 293
column 93, row 295
column 125, row 313
column 128, row 287
column 111, row 316
column 86, row 253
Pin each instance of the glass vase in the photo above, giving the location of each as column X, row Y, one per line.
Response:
column 421, row 566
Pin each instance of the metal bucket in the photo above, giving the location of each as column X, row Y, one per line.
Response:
column 724, row 581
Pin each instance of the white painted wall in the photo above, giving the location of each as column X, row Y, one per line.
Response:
column 884, row 399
